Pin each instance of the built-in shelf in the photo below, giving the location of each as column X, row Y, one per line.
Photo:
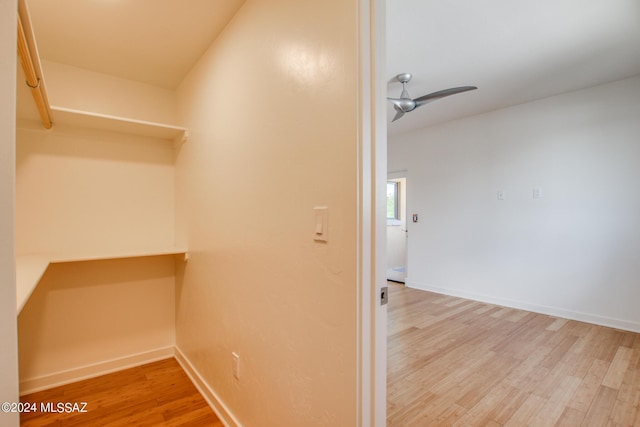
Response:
column 29, row 271
column 60, row 258
column 68, row 116
column 31, row 268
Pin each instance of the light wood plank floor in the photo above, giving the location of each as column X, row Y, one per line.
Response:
column 456, row 362
column 156, row 394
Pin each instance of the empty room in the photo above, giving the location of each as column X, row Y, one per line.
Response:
column 519, row 241
column 193, row 229
column 186, row 191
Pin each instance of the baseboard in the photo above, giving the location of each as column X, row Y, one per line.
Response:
column 214, row 401
column 536, row 308
column 45, row 382
column 32, row 385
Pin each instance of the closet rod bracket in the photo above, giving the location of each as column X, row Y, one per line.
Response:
column 37, row 85
column 181, row 139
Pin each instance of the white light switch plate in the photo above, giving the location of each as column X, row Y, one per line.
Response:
column 537, row 193
column 321, row 223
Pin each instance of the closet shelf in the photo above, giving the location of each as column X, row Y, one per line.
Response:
column 61, row 258
column 29, row 271
column 68, row 116
column 31, row 268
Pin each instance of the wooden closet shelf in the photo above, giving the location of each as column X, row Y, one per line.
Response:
column 31, row 268
column 68, row 116
column 61, row 258
column 29, row 271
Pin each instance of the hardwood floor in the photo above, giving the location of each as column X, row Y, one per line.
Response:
column 156, row 394
column 456, row 362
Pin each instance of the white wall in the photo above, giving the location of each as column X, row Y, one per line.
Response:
column 575, row 251
column 88, row 318
column 80, row 89
column 272, row 110
column 82, row 192
column 8, row 321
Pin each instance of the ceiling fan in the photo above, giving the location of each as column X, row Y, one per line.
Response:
column 405, row 104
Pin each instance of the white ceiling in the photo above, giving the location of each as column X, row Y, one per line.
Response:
column 514, row 51
column 152, row 41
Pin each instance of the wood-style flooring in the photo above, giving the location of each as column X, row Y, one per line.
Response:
column 156, row 394
column 456, row 362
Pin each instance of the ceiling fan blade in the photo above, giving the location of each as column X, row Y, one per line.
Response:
column 441, row 94
column 399, row 112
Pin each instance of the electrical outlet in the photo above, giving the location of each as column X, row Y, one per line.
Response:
column 236, row 365
column 537, row 193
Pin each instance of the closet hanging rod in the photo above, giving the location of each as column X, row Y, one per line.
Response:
column 35, row 82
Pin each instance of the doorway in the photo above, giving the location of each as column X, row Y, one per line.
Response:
column 397, row 233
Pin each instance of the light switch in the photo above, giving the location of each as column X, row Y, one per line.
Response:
column 321, row 217
column 537, row 193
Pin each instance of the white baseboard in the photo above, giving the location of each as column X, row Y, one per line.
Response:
column 45, row 382
column 214, row 401
column 536, row 308
column 32, row 385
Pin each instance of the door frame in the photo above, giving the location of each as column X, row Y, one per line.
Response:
column 403, row 174
column 8, row 311
column 371, row 242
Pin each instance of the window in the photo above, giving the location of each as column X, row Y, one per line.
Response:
column 393, row 199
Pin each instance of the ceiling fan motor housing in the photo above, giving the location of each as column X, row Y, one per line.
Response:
column 404, row 77
column 406, row 104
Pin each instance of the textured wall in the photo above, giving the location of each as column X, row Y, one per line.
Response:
column 572, row 252
column 272, row 111
column 83, row 192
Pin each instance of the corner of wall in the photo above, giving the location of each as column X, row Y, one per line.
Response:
column 8, row 311
column 213, row 399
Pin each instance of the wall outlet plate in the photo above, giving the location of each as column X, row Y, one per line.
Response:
column 236, row 364
column 537, row 193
